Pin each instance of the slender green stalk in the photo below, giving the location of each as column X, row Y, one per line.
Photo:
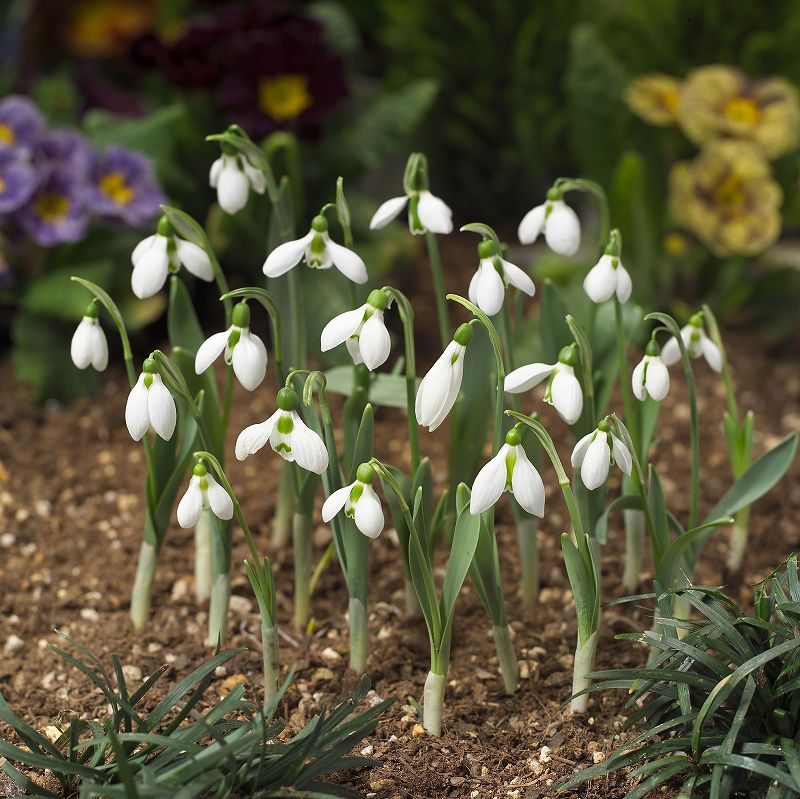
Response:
column 585, row 653
column 203, row 533
column 143, row 584
column 359, row 634
column 634, row 546
column 284, row 508
column 506, row 657
column 220, row 584
column 438, row 287
column 528, row 546
column 303, row 554
column 297, row 321
column 271, row 665
column 738, row 540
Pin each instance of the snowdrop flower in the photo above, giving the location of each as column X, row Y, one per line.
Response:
column 204, row 492
column 438, row 390
column 650, row 376
column 319, row 251
column 360, row 502
column 156, row 256
column 595, row 453
column 509, row 470
column 150, row 406
column 563, row 391
column 607, row 278
column 363, row 330
column 697, row 343
column 488, row 285
column 233, row 176
column 558, row 222
column 243, row 349
column 287, row 434
column 426, row 212
column 89, row 344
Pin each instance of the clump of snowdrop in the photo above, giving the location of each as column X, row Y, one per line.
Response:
column 557, row 221
column 318, row 251
column 509, row 470
column 438, row 390
column 650, row 377
column 563, row 390
column 233, row 176
column 595, row 453
column 426, row 211
column 607, row 278
column 697, row 343
column 363, row 330
column 156, row 256
column 287, row 434
column 359, row 501
column 244, row 351
column 488, row 285
column 150, row 405
column 203, row 493
column 89, row 346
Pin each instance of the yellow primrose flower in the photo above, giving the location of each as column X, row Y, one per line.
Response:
column 727, row 198
column 655, row 98
column 721, row 102
column 104, row 28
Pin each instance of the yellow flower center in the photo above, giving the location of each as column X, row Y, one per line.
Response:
column 113, row 185
column 669, row 98
column 675, row 244
column 51, row 206
column 742, row 111
column 284, row 96
column 7, row 134
column 2, row 185
column 729, row 194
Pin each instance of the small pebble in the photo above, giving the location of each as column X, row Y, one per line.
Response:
column 132, row 673
column 13, row 645
column 322, row 674
column 7, row 540
column 598, row 757
column 89, row 614
column 418, row 731
column 368, row 751
column 240, row 605
column 330, row 655
column 544, row 754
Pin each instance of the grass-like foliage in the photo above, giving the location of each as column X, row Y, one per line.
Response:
column 186, row 746
column 718, row 708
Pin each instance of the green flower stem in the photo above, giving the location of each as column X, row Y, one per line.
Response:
column 203, row 533
column 407, row 318
column 634, row 541
column 506, row 657
column 303, row 555
column 596, row 190
column 284, row 507
column 271, row 664
column 142, row 591
column 227, row 398
column 585, row 653
column 438, row 287
column 298, row 327
column 359, row 634
column 738, row 540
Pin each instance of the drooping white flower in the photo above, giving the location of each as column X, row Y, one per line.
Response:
column 156, row 256
column 697, row 343
column 204, row 493
column 487, row 289
column 89, row 345
column 650, row 376
column 563, row 391
column 363, row 330
column 558, row 222
column 150, row 406
column 244, row 350
column 509, row 470
column 595, row 453
column 233, row 176
column 426, row 212
column 319, row 251
column 438, row 390
column 607, row 278
column 287, row 434
column 359, row 501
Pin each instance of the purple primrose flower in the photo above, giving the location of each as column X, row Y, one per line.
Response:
column 18, row 179
column 64, row 147
column 21, row 123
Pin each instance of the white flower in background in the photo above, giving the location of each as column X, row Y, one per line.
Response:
column 697, row 343
column 487, row 289
column 89, row 345
column 204, row 493
column 607, row 278
column 509, row 470
column 233, row 176
column 425, row 212
column 650, row 376
column 438, row 390
column 150, row 406
column 595, row 453
column 287, row 434
column 558, row 222
column 363, row 330
column 244, row 350
column 319, row 251
column 563, row 391
column 156, row 256
column 359, row 501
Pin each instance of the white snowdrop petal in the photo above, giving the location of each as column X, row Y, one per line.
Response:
column 340, row 328
column 657, row 379
column 286, row 255
column 219, row 499
column 434, row 386
column 354, row 348
column 562, row 229
column 601, row 282
column 638, row 379
column 161, row 409
column 671, row 352
column 711, row 352
column 472, row 291
column 335, row 502
column 375, row 343
column 99, row 347
column 526, row 377
column 249, row 360
column 195, row 259
column 253, row 438
column 434, row 213
column 256, row 177
column 489, row 484
column 456, row 374
column 233, row 188
column 579, row 451
column 567, row 395
column 596, row 463
column 80, row 349
column 691, row 342
column 489, row 289
column 368, row 513
column 531, row 225
column 519, row 278
column 215, row 171
column 307, row 447
column 191, row 505
column 142, row 247
column 387, row 211
column 624, row 284
column 622, row 456
column 150, row 270
column 527, row 485
column 210, row 350
column 137, row 416
column 347, row 262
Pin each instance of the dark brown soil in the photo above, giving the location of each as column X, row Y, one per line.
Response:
column 71, row 517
